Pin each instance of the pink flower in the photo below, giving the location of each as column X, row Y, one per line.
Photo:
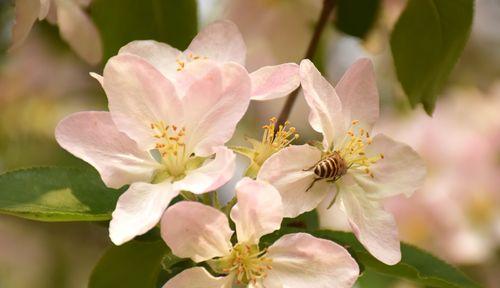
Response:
column 159, row 139
column 354, row 169
column 202, row 233
column 75, row 26
column 220, row 42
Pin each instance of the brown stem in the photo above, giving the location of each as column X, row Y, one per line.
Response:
column 327, row 9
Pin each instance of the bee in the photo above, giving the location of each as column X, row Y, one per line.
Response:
column 331, row 168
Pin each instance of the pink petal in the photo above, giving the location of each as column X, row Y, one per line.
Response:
column 211, row 175
column 27, row 12
column 303, row 261
column 196, row 231
column 375, row 228
column 93, row 137
column 285, row 170
column 79, row 31
column 326, row 109
column 258, row 212
column 358, row 93
column 198, row 277
column 162, row 56
column 220, row 41
column 402, row 171
column 212, row 115
column 97, row 77
column 139, row 95
column 272, row 82
column 139, row 209
column 44, row 9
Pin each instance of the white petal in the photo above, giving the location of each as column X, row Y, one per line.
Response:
column 79, row 31
column 273, row 82
column 303, row 261
column 198, row 277
column 212, row 114
column 93, row 137
column 139, row 209
column 220, row 41
column 27, row 12
column 358, row 93
column 97, row 77
column 402, row 171
column 258, row 212
column 162, row 56
column 211, row 175
column 286, row 171
column 44, row 9
column 196, row 231
column 375, row 228
column 139, row 95
column 326, row 109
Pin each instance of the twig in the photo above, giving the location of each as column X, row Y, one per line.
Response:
column 327, row 9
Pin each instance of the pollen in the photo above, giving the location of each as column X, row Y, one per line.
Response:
column 170, row 139
column 185, row 58
column 281, row 138
column 353, row 149
column 247, row 262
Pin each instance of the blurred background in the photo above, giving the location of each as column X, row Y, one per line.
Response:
column 456, row 215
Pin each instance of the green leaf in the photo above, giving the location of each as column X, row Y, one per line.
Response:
column 136, row 264
column 56, row 194
column 427, row 41
column 356, row 17
column 416, row 265
column 122, row 21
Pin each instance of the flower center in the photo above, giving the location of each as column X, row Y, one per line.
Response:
column 171, row 147
column 186, row 58
column 248, row 262
column 352, row 149
column 273, row 141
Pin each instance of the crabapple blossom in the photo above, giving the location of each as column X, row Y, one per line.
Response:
column 157, row 140
column 221, row 42
column 349, row 168
column 76, row 27
column 202, row 233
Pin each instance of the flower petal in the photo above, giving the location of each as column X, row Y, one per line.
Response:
column 211, row 113
column 326, row 109
column 139, row 209
column 196, row 231
column 402, row 171
column 211, row 175
column 258, row 212
column 27, row 12
column 44, row 9
column 272, row 82
column 286, row 171
column 198, row 277
column 358, row 93
column 79, row 31
column 220, row 41
column 93, row 137
column 375, row 228
column 139, row 95
column 301, row 260
column 162, row 56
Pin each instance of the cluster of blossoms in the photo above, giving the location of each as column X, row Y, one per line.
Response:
column 171, row 113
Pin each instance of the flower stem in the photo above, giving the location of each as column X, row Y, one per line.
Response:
column 327, row 9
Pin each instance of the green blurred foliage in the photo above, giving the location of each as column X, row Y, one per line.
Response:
column 57, row 194
column 122, row 21
column 356, row 17
column 427, row 41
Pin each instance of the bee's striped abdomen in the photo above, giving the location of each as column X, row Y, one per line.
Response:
column 331, row 168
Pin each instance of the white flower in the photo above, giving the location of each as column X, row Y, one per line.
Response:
column 202, row 233
column 221, row 42
column 76, row 28
column 157, row 139
column 350, row 169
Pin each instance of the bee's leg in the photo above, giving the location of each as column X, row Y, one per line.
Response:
column 312, row 183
